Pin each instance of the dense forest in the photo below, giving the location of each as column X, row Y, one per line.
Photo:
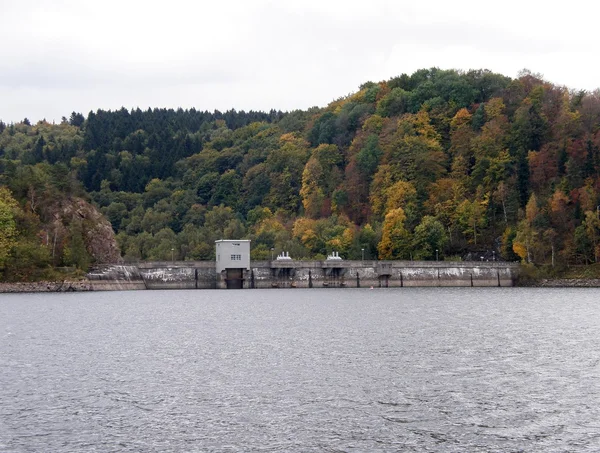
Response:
column 458, row 164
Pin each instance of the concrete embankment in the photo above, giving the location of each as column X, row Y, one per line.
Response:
column 116, row 278
column 287, row 274
column 299, row 274
column 179, row 275
column 304, row 274
column 155, row 275
column 381, row 274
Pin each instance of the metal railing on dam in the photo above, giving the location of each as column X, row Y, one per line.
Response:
column 305, row 274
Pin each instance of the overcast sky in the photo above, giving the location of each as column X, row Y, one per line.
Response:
column 61, row 56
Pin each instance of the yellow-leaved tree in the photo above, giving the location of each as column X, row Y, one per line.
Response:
column 311, row 192
column 527, row 234
column 395, row 239
column 470, row 216
column 320, row 178
column 8, row 226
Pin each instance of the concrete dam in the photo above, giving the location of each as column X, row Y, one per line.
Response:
column 303, row 274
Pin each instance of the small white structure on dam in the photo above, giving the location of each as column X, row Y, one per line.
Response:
column 232, row 254
column 233, row 258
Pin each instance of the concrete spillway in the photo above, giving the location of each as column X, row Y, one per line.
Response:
column 305, row 274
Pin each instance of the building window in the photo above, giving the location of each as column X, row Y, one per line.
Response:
column 236, row 257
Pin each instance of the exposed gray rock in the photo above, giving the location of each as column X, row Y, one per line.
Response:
column 567, row 283
column 96, row 230
column 45, row 287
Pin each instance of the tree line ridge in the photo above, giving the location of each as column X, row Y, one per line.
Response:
column 436, row 164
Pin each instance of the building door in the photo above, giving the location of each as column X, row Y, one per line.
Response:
column 235, row 278
column 383, row 281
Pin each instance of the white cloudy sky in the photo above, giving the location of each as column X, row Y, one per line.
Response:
column 61, row 56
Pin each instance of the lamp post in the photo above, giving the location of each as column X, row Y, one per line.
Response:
column 436, row 255
column 272, row 249
column 362, row 251
column 172, row 254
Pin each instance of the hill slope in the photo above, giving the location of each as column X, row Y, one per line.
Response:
column 436, row 162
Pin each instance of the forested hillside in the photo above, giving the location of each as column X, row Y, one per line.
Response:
column 455, row 162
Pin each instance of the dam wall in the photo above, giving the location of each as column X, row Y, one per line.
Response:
column 304, row 274
column 182, row 275
column 116, row 277
column 385, row 274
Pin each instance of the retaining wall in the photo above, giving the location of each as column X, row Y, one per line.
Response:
column 384, row 274
column 116, row 278
column 306, row 274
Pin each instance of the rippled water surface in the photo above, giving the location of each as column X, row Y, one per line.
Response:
column 356, row 370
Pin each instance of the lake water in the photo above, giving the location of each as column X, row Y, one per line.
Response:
column 351, row 370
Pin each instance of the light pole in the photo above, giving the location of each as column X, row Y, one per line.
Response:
column 272, row 249
column 436, row 255
column 362, row 251
column 172, row 254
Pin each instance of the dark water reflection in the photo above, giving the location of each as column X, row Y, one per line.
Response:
column 448, row 370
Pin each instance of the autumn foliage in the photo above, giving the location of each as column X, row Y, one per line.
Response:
column 434, row 164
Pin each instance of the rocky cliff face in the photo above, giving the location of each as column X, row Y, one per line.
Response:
column 72, row 218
